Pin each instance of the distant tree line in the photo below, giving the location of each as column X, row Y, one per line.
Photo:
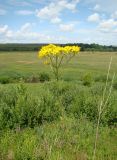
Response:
column 36, row 47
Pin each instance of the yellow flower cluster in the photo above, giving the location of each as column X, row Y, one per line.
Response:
column 71, row 49
column 53, row 50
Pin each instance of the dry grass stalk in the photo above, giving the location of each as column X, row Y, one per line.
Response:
column 102, row 106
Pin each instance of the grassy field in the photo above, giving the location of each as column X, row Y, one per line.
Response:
column 27, row 62
column 57, row 120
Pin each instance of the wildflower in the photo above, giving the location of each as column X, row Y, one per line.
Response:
column 55, row 55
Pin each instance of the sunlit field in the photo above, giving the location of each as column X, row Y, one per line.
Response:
column 28, row 62
column 41, row 119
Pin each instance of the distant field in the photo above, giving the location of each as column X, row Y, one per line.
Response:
column 85, row 62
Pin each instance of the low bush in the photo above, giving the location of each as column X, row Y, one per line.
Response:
column 80, row 101
column 59, row 88
column 44, row 77
column 87, row 79
column 102, row 78
column 115, row 85
column 5, row 80
column 31, row 78
column 20, row 107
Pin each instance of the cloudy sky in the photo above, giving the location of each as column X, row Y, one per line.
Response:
column 58, row 21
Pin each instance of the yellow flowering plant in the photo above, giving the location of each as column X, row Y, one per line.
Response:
column 55, row 56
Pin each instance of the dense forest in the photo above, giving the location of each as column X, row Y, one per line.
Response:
column 36, row 47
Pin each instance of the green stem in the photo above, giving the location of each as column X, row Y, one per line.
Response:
column 57, row 67
column 60, row 62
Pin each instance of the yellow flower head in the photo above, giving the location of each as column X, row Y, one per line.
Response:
column 54, row 50
column 71, row 49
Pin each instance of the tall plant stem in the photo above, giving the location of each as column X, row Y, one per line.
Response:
column 56, row 68
column 102, row 107
column 97, row 132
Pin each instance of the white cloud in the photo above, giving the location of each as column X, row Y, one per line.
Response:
column 95, row 36
column 53, row 10
column 109, row 25
column 24, row 34
column 68, row 5
column 48, row 12
column 56, row 20
column 3, row 29
column 24, row 12
column 107, row 6
column 26, row 27
column 94, row 18
column 2, row 12
column 114, row 15
column 82, row 35
column 96, row 7
column 67, row 27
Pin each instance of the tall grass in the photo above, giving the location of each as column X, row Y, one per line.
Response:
column 101, row 108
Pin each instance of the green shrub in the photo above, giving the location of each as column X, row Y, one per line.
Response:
column 5, row 80
column 44, row 77
column 28, row 78
column 60, row 88
column 31, row 79
column 20, row 108
column 10, row 77
column 79, row 104
column 87, row 80
column 41, row 77
column 102, row 78
column 85, row 101
column 115, row 85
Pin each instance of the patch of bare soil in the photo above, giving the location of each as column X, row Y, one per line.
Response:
column 26, row 62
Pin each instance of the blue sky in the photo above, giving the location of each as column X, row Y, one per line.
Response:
column 58, row 21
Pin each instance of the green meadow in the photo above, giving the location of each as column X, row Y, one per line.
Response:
column 28, row 62
column 41, row 119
